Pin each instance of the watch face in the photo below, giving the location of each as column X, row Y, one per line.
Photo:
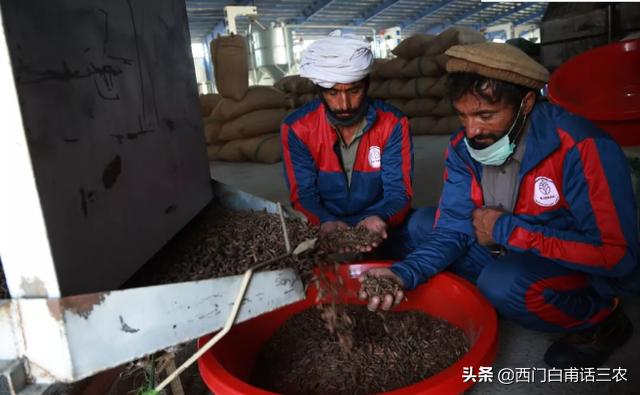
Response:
column 497, row 251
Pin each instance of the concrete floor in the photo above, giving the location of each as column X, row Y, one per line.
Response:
column 519, row 348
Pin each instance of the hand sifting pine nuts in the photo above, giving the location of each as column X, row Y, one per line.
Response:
column 350, row 239
column 380, row 286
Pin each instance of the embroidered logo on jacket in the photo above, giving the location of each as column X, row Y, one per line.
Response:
column 374, row 157
column 545, row 192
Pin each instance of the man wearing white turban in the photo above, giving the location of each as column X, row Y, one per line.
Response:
column 348, row 159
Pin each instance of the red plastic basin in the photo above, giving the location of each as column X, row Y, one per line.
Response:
column 227, row 366
column 603, row 85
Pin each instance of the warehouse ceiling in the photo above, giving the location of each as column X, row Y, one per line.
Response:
column 413, row 16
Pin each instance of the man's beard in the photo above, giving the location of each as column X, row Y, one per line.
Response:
column 349, row 116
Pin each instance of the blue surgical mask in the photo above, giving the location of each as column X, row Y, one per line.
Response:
column 498, row 152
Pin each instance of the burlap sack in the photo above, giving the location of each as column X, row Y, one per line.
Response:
column 257, row 98
column 208, row 103
column 256, row 123
column 289, row 83
column 299, row 100
column 457, row 35
column 444, row 108
column 307, row 97
column 373, row 87
column 420, row 107
column 390, row 89
column 414, row 46
column 262, row 149
column 303, row 85
column 212, row 151
column 291, row 111
column 442, row 60
column 375, row 71
column 446, row 125
column 291, row 100
column 230, row 65
column 420, row 126
column 439, row 89
column 398, row 103
column 393, row 69
column 296, row 84
column 226, row 152
column 423, row 66
column 416, row 88
column 212, row 131
column 279, row 85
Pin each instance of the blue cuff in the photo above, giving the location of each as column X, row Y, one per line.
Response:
column 405, row 275
column 327, row 218
column 502, row 229
column 360, row 218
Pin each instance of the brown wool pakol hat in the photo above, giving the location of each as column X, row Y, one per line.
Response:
column 500, row 61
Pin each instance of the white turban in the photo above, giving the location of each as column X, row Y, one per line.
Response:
column 337, row 59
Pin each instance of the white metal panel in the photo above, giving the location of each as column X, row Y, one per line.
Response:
column 235, row 199
column 24, row 245
column 45, row 339
column 108, row 99
column 76, row 337
column 9, row 341
column 72, row 338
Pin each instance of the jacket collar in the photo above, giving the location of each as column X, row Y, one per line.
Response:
column 371, row 116
column 542, row 139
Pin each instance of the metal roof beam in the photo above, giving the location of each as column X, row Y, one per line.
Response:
column 197, row 11
column 465, row 15
column 503, row 15
column 197, row 18
column 425, row 13
column 529, row 17
column 373, row 12
column 204, row 2
column 314, row 10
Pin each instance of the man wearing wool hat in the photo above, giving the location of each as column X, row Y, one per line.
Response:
column 537, row 210
column 348, row 159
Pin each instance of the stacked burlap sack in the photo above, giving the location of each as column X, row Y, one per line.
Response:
column 297, row 90
column 414, row 82
column 208, row 103
column 245, row 124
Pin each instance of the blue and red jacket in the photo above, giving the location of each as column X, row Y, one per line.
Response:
column 382, row 173
column 575, row 206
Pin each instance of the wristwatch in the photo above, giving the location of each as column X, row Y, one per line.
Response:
column 497, row 251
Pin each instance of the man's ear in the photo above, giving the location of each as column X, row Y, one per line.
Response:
column 529, row 102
